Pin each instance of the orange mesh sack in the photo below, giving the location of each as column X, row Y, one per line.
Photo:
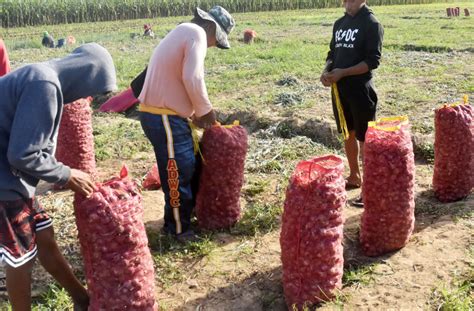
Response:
column 224, row 149
column 114, row 247
column 312, row 232
column 388, row 190
column 453, row 176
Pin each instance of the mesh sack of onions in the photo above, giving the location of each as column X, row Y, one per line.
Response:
column 312, row 232
column 388, row 190
column 75, row 144
column 114, row 246
column 453, row 176
column 249, row 35
column 224, row 149
column 152, row 179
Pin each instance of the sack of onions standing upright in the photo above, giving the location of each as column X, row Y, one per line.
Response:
column 312, row 232
column 75, row 147
column 388, row 190
column 224, row 149
column 114, row 246
column 453, row 176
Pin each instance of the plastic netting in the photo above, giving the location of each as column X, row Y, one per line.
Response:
column 312, row 232
column 388, row 189
column 114, row 246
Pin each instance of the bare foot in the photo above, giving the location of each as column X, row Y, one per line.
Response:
column 353, row 183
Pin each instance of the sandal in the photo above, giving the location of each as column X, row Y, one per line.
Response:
column 358, row 202
column 187, row 237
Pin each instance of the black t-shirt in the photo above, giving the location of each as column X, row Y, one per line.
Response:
column 355, row 39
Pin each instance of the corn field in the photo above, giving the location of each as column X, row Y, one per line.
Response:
column 19, row 13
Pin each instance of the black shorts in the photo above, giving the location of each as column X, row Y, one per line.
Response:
column 359, row 102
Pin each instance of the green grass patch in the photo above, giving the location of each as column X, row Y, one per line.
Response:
column 258, row 218
column 269, row 154
column 425, row 151
column 255, row 187
column 174, row 260
column 54, row 299
column 118, row 137
column 457, row 296
column 358, row 276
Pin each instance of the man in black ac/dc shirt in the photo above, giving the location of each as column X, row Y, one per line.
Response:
column 355, row 50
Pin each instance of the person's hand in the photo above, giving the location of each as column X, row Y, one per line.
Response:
column 206, row 121
column 324, row 80
column 80, row 182
column 335, row 75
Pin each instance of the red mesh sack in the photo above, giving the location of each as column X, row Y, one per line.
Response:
column 117, row 260
column 120, row 102
column 388, row 190
column 312, row 232
column 249, row 35
column 75, row 145
column 453, row 176
column 218, row 200
column 152, row 179
column 4, row 61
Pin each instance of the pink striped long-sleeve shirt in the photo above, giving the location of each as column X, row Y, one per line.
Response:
column 175, row 75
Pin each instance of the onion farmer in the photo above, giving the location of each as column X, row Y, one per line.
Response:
column 355, row 50
column 174, row 90
column 31, row 105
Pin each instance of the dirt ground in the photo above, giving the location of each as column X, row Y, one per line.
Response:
column 246, row 274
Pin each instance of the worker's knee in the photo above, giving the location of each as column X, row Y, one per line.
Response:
column 45, row 240
column 23, row 270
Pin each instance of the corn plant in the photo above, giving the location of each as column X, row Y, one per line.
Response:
column 20, row 13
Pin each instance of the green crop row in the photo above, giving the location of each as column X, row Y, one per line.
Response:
column 19, row 13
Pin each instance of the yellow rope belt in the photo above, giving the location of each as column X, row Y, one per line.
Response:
column 166, row 111
column 340, row 112
column 156, row 110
